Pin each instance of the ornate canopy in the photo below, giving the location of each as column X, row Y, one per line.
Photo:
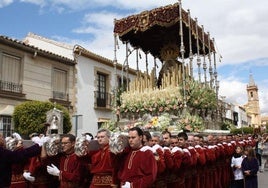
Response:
column 153, row 30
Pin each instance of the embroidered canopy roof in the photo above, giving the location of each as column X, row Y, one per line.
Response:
column 152, row 30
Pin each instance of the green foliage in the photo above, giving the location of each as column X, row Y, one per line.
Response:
column 30, row 117
column 244, row 130
column 118, row 95
column 200, row 96
column 110, row 125
column 226, row 125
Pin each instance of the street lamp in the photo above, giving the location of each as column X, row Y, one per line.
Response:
column 76, row 122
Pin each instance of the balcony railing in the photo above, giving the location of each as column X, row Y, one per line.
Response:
column 10, row 86
column 59, row 95
column 103, row 99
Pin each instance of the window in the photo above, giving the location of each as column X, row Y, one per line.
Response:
column 10, row 73
column 101, row 90
column 59, row 84
column 235, row 116
column 5, row 125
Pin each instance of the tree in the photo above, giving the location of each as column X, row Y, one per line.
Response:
column 30, row 116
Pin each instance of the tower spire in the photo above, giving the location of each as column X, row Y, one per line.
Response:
column 251, row 80
column 253, row 106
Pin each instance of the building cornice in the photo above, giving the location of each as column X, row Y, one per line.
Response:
column 34, row 50
column 79, row 50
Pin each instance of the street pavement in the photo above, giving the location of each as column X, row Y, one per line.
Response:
column 263, row 179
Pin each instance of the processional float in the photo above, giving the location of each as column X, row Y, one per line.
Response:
column 188, row 59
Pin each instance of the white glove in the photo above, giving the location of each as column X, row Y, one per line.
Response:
column 53, row 170
column 186, row 151
column 16, row 136
column 166, row 148
column 44, row 139
column 156, row 147
column 88, row 138
column 145, row 148
column 27, row 176
column 126, row 185
column 175, row 149
column 38, row 140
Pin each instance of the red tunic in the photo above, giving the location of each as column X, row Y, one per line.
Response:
column 101, row 161
column 71, row 171
column 101, row 167
column 139, row 168
column 17, row 179
column 168, row 159
column 161, row 167
column 201, row 161
column 39, row 171
column 176, row 177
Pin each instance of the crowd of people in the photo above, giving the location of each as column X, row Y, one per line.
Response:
column 159, row 160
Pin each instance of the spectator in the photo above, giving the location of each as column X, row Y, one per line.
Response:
column 257, row 148
column 264, row 154
column 236, row 162
column 250, row 168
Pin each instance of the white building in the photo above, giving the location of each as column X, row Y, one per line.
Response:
column 30, row 73
column 95, row 81
column 237, row 115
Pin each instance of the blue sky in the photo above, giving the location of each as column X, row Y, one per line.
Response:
column 239, row 27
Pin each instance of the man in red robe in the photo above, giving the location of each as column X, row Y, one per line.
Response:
column 70, row 169
column 139, row 167
column 100, row 162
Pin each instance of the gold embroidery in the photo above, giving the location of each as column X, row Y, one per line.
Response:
column 131, row 159
column 102, row 179
column 66, row 161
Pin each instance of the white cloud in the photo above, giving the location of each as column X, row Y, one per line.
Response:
column 41, row 3
column 234, row 90
column 4, row 3
column 263, row 96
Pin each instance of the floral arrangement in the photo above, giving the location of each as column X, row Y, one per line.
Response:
column 199, row 97
column 192, row 123
column 165, row 121
column 152, row 101
column 158, row 123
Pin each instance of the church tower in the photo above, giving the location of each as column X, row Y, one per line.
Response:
column 253, row 107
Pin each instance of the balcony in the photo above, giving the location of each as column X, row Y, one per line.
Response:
column 102, row 100
column 10, row 87
column 61, row 98
column 11, row 90
column 60, row 95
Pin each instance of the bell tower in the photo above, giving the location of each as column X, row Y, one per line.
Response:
column 253, row 107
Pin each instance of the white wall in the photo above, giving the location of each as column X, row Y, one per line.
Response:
column 85, row 95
